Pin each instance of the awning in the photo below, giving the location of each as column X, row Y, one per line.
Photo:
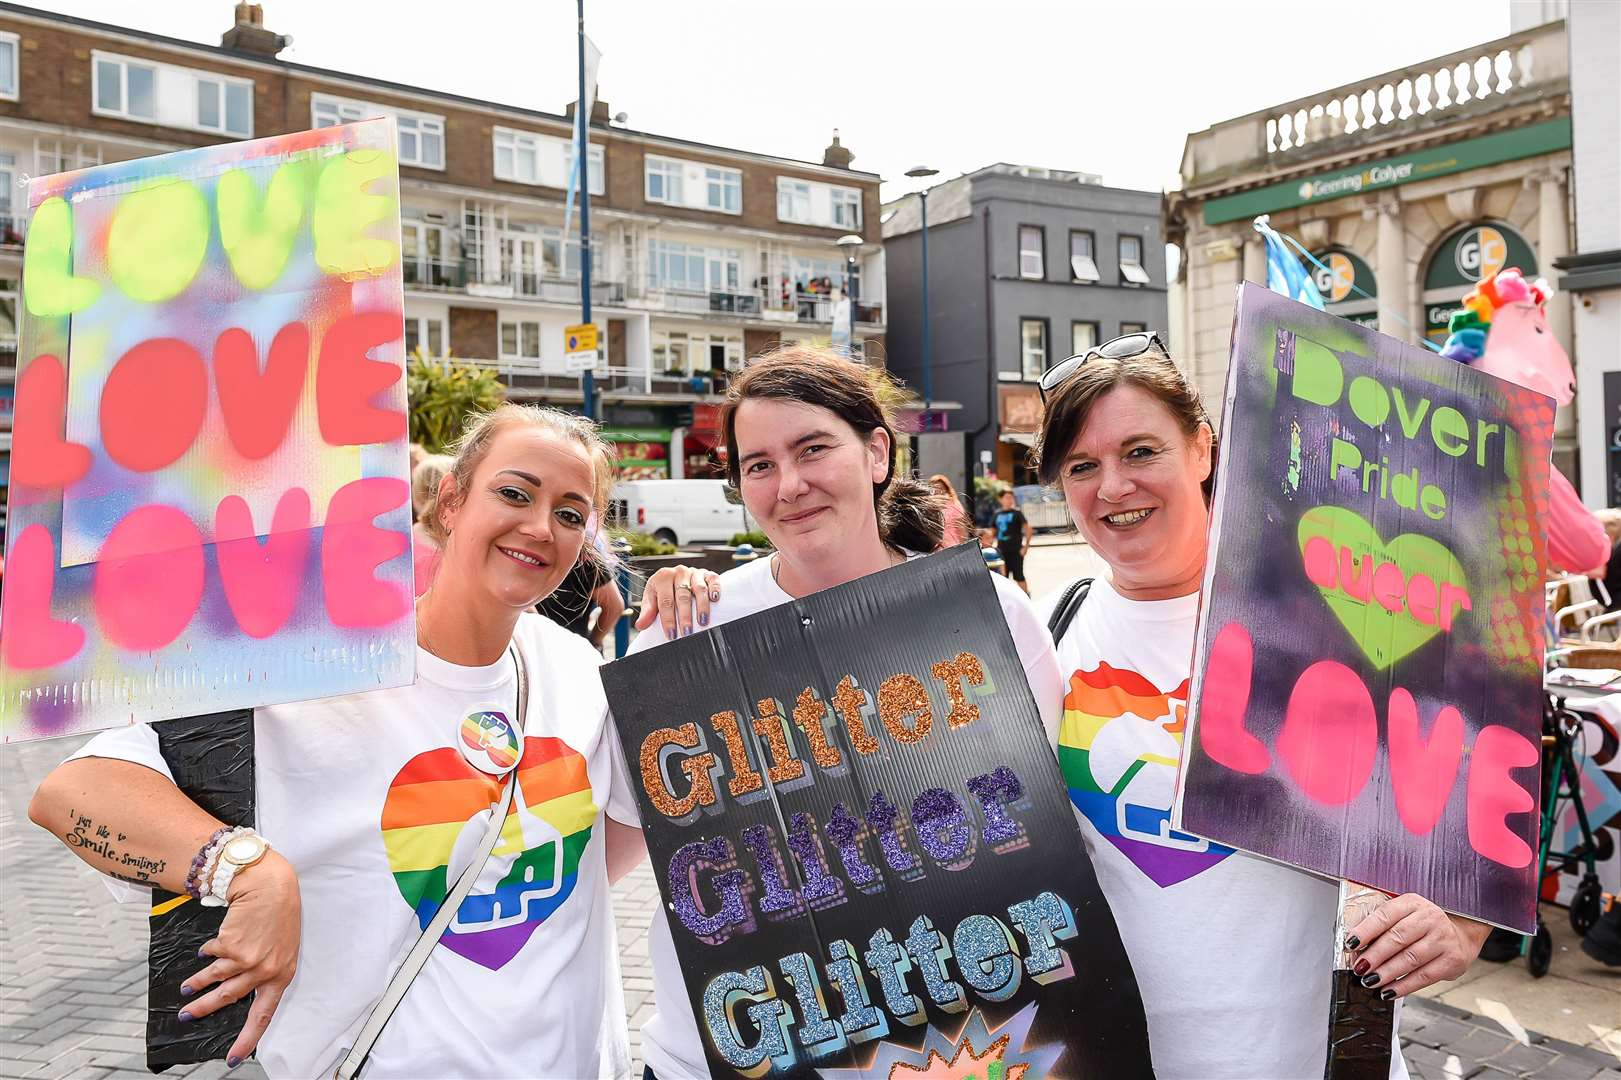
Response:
column 1023, row 438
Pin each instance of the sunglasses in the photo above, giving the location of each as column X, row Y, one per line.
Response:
column 1120, row 348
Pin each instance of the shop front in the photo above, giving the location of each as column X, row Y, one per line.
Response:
column 1462, row 258
column 641, row 453
column 1347, row 285
column 1019, row 413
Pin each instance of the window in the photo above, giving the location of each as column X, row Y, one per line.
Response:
column 54, row 156
column 425, row 333
column 1032, row 347
column 125, row 88
column 421, row 135
column 1131, row 260
column 8, row 175
column 517, row 157
column 693, row 268
column 723, row 190
column 423, row 247
column 593, row 166
column 527, row 158
column 1133, row 328
column 846, row 208
column 683, row 353
column 8, row 66
column 225, row 107
column 520, row 340
column 8, row 315
column 1030, row 252
column 1082, row 265
column 793, row 201
column 1082, row 336
column 132, row 89
column 663, row 181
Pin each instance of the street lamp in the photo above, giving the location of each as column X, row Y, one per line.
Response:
column 851, row 243
column 921, row 172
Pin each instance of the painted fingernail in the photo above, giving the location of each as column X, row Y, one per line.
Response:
column 1361, row 966
column 201, row 955
column 185, row 1017
column 1352, row 941
column 714, row 596
column 703, row 619
column 232, row 1062
column 1371, row 979
column 1386, row 994
column 186, row 991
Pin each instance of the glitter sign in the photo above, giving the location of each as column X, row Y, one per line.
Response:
column 1367, row 698
column 863, row 840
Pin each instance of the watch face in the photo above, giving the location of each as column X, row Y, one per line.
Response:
column 244, row 849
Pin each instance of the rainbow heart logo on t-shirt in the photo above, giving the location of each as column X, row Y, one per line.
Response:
column 437, row 809
column 1118, row 747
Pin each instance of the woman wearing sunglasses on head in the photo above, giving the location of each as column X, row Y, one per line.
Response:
column 493, row 776
column 810, row 446
column 1232, row 952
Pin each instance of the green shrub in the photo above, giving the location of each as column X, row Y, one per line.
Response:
column 989, row 489
column 643, row 543
column 755, row 539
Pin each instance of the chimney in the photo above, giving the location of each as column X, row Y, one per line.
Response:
column 600, row 115
column 250, row 36
column 836, row 156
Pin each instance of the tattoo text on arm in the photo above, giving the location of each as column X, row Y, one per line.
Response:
column 87, row 836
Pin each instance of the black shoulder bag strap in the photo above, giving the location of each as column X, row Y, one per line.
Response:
column 1068, row 604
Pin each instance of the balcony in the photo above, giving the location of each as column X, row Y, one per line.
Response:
column 533, row 285
column 12, row 228
column 529, row 376
column 1530, row 66
column 435, row 274
column 704, row 302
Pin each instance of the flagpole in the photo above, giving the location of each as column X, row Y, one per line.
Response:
column 582, row 160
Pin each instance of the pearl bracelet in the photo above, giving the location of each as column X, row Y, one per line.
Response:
column 202, row 867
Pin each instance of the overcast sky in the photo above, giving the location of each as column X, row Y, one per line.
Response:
column 1105, row 87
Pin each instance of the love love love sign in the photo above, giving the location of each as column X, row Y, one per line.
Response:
column 1367, row 694
column 208, row 499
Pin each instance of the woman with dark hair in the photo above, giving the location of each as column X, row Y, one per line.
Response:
column 810, row 447
column 1233, row 953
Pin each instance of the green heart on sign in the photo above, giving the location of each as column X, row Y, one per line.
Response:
column 1392, row 597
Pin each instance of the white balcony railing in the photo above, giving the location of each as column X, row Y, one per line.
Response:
column 1494, row 69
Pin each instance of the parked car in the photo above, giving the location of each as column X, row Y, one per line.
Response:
column 678, row 511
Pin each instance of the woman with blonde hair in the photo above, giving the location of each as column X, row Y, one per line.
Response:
column 494, row 777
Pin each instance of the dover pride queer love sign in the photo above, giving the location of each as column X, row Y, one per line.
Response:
column 1367, row 693
column 864, row 845
column 208, row 506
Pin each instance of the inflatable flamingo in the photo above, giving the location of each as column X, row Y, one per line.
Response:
column 1503, row 330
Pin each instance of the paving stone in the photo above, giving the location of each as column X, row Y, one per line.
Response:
column 1425, row 1063
column 1520, row 1059
column 1567, row 1068
column 1479, row 1044
column 1442, row 1030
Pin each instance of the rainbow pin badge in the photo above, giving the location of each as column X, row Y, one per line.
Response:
column 489, row 741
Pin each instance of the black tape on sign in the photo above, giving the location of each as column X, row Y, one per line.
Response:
column 1360, row 1026
column 211, row 758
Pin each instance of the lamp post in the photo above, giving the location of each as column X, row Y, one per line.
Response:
column 920, row 172
column 582, row 152
column 850, row 243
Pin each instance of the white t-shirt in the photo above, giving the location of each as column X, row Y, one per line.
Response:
column 371, row 799
column 671, row 1043
column 1233, row 953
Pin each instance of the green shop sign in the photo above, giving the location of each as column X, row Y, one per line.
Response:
column 1543, row 138
column 1477, row 251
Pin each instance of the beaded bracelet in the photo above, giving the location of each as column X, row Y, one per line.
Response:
column 195, row 876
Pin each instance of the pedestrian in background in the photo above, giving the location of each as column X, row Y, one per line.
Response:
column 1013, row 535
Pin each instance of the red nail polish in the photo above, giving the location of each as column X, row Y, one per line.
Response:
column 1360, row 967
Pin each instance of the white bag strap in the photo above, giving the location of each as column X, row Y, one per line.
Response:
column 350, row 1065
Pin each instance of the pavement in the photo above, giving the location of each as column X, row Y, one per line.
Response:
column 73, row 962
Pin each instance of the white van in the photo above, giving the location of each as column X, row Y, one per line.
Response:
column 678, row 511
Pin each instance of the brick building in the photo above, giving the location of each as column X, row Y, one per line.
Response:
column 702, row 254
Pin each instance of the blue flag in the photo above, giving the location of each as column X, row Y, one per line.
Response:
column 1284, row 274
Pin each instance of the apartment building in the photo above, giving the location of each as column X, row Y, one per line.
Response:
column 701, row 255
column 1027, row 265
